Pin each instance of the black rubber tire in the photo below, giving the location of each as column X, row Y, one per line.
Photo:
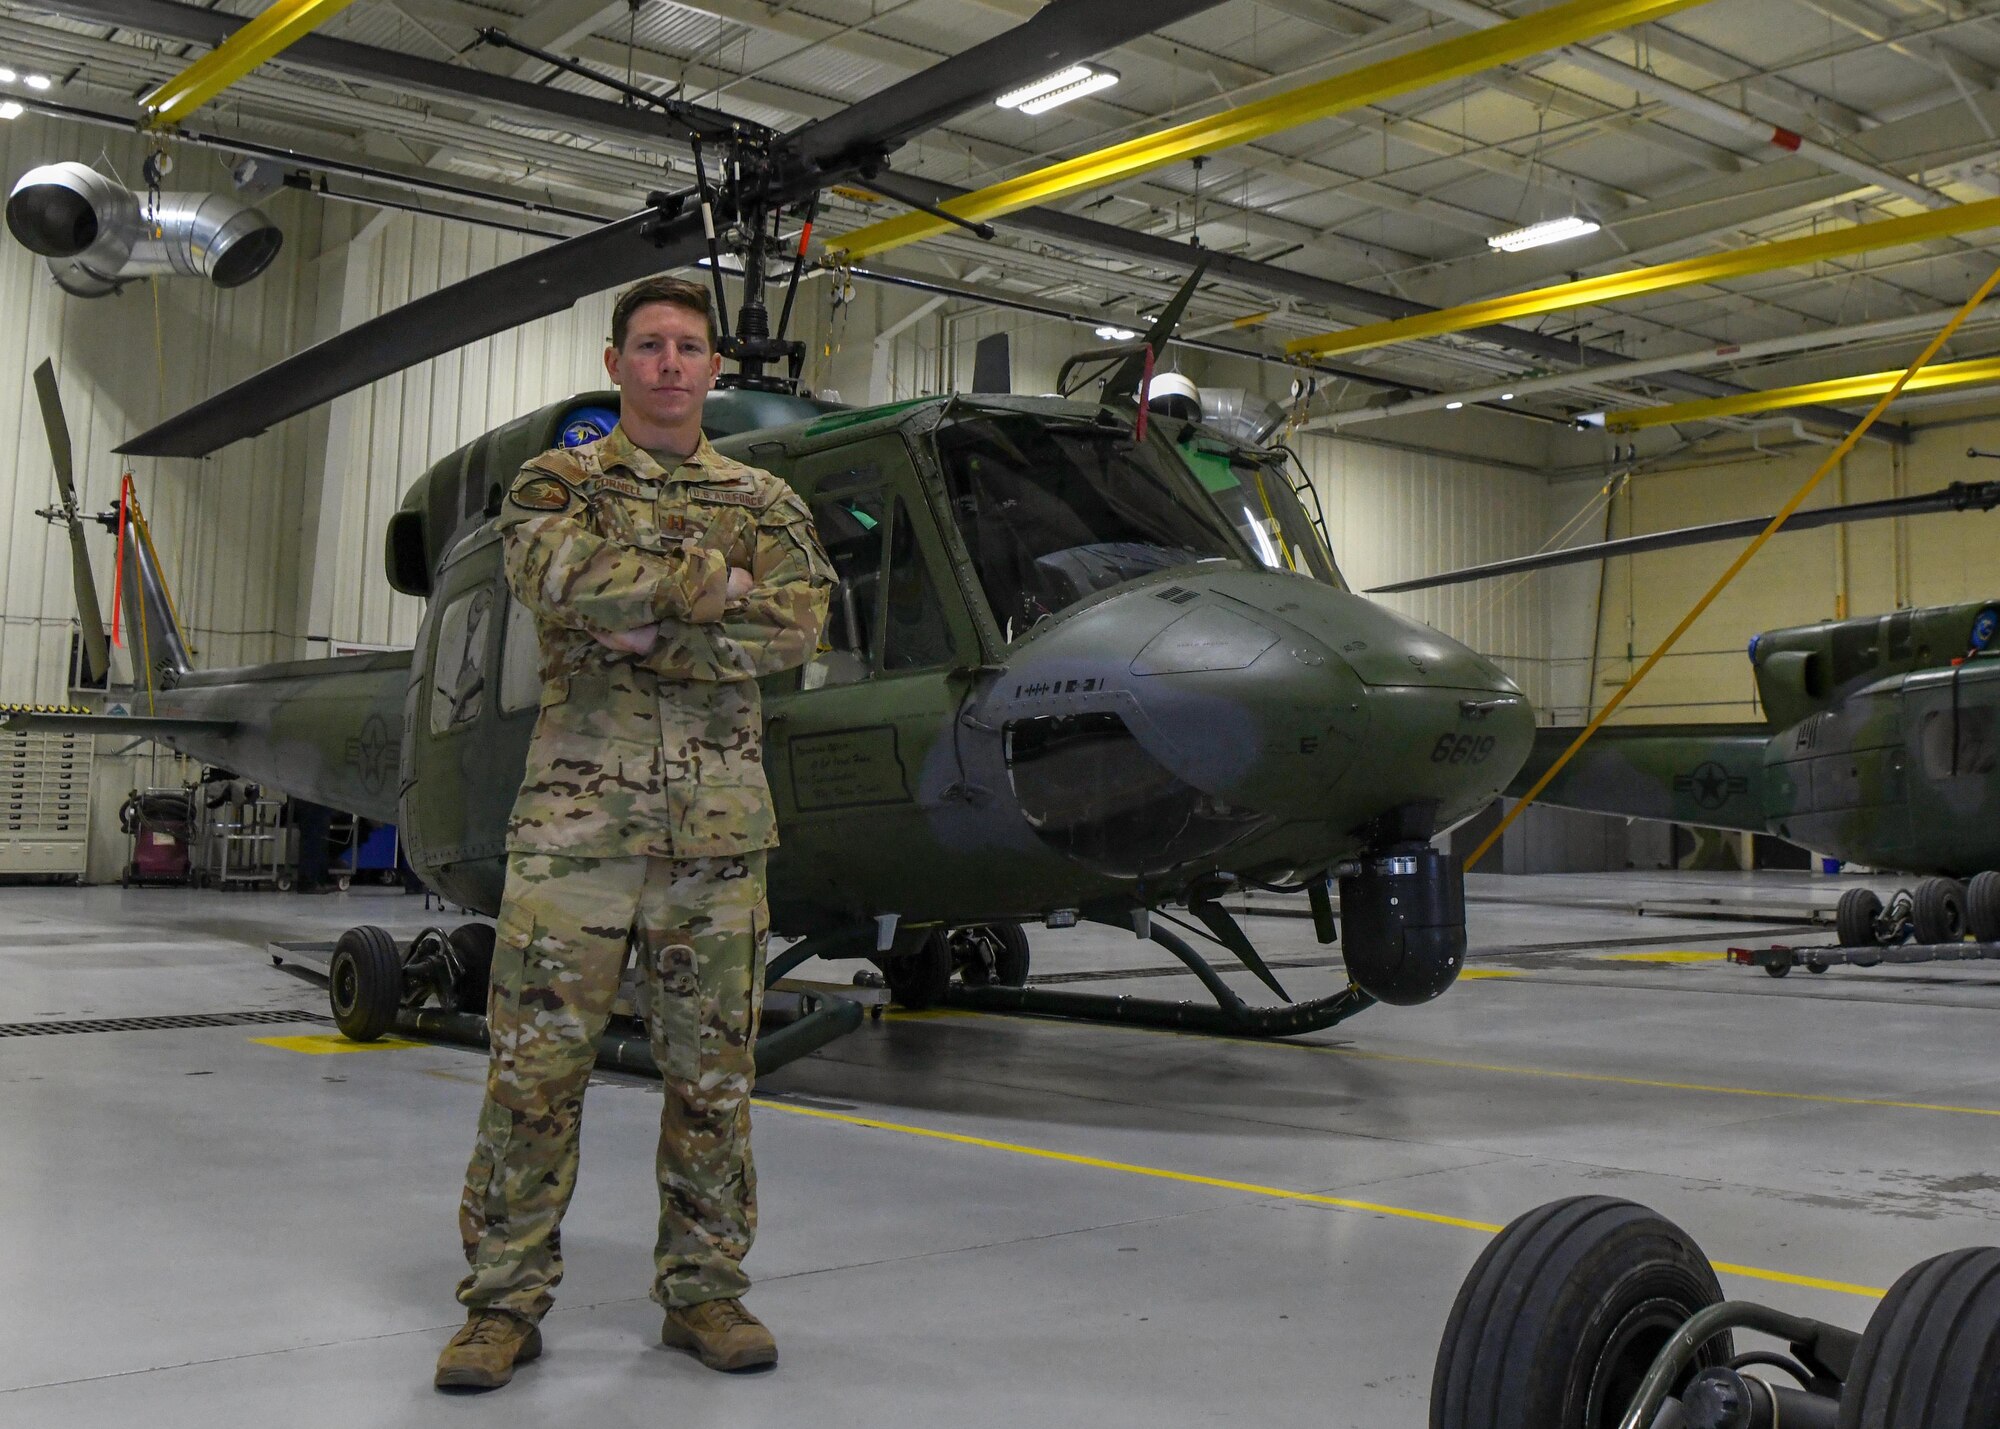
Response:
column 921, row 979
column 1562, row 1315
column 1010, row 957
column 1854, row 918
column 1930, row 1357
column 1938, row 911
column 1982, row 906
column 474, row 943
column 1778, row 969
column 364, row 982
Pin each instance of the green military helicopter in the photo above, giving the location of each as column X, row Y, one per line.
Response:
column 1881, row 744
column 1087, row 660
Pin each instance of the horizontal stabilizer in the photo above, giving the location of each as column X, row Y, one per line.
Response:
column 61, row 717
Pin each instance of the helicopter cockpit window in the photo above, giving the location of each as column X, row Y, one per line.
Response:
column 458, row 672
column 853, row 528
column 520, row 661
column 1053, row 513
column 884, row 588
column 1259, row 500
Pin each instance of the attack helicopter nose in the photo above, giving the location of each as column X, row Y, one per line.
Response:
column 1177, row 716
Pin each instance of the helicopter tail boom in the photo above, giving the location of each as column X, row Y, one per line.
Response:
column 1705, row 774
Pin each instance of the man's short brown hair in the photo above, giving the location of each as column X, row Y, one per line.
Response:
column 678, row 291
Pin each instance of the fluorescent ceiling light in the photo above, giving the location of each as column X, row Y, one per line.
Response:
column 11, row 109
column 7, row 76
column 1453, row 406
column 1555, row 230
column 1506, row 396
column 1110, row 332
column 1059, row 88
column 38, row 81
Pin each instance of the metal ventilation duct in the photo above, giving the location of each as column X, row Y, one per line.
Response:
column 96, row 236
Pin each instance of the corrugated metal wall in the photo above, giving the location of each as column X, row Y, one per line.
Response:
column 228, row 529
column 382, row 438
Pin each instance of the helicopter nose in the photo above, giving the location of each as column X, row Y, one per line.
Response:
column 1234, row 696
column 1304, row 702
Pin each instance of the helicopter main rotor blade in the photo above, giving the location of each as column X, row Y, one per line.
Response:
column 1057, row 36
column 535, row 285
column 1959, row 496
column 90, row 618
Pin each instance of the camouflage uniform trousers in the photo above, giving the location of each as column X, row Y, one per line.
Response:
column 565, row 926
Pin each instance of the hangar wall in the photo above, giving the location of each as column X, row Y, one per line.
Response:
column 1810, row 576
column 228, row 529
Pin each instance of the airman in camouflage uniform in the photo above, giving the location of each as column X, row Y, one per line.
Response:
column 642, row 822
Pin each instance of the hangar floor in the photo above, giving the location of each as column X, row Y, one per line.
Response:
column 967, row 1219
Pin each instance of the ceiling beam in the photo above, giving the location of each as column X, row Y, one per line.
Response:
column 1370, row 84
column 373, row 65
column 1689, row 272
column 1777, row 399
column 1271, row 278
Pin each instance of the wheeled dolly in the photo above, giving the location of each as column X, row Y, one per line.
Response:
column 435, row 988
column 1596, row 1313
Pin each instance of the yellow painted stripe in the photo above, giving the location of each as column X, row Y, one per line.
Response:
column 1417, row 69
column 1484, row 974
column 1251, row 1188
column 327, row 1044
column 1185, row 1178
column 1835, row 391
column 1842, row 242
column 245, row 49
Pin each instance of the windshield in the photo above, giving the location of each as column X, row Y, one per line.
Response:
column 1054, row 512
column 1255, row 492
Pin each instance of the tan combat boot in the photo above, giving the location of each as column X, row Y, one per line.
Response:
column 722, row 1333
column 484, row 1353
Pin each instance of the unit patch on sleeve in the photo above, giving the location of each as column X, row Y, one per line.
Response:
column 541, row 493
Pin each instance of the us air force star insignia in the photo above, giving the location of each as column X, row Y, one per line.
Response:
column 540, row 493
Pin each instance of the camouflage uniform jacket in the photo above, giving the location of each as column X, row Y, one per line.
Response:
column 663, row 754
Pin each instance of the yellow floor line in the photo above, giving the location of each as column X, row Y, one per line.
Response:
column 327, row 1044
column 1187, row 1178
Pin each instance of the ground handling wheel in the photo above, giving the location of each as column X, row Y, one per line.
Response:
column 990, row 955
column 920, row 979
column 1938, row 911
column 1562, row 1316
column 1855, row 918
column 1930, row 1357
column 364, row 981
column 1982, row 906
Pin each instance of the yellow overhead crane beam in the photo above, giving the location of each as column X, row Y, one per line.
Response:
column 1610, row 288
column 1833, row 393
column 1545, row 30
column 243, row 51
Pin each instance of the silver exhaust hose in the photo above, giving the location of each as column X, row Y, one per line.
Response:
column 96, row 236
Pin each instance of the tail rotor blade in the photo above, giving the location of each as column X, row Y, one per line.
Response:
column 96, row 650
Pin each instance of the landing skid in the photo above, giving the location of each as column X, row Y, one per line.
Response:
column 1230, row 1016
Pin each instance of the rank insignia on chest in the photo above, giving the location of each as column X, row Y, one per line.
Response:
column 541, row 493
